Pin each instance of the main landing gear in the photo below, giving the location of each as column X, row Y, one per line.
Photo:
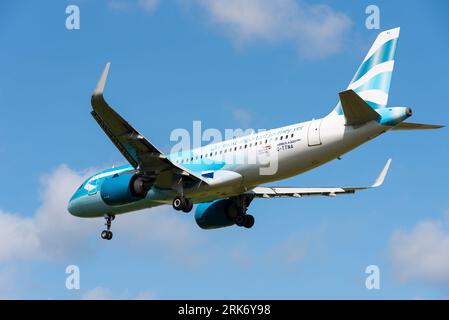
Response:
column 244, row 220
column 181, row 203
column 107, row 234
column 237, row 212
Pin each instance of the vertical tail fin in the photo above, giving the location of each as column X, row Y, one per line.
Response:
column 372, row 79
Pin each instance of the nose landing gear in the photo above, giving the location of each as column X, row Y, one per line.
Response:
column 107, row 234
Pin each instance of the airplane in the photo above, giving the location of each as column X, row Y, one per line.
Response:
column 223, row 189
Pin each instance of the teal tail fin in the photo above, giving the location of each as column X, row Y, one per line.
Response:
column 372, row 79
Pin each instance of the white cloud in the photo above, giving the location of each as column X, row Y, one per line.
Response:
column 422, row 253
column 7, row 275
column 100, row 293
column 242, row 116
column 241, row 256
column 162, row 227
column 149, row 5
column 18, row 237
column 145, row 295
column 317, row 30
column 118, row 5
column 292, row 251
column 288, row 254
column 51, row 233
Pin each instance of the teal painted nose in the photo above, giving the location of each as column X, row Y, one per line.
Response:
column 74, row 208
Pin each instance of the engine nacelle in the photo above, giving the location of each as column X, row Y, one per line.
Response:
column 124, row 188
column 215, row 214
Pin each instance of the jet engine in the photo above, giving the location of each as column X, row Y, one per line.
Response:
column 215, row 214
column 125, row 188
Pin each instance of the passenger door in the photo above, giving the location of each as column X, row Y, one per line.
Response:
column 313, row 134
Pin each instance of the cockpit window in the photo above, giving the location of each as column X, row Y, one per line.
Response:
column 80, row 187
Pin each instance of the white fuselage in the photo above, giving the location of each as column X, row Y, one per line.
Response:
column 303, row 146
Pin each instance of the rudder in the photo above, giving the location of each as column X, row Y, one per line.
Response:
column 373, row 77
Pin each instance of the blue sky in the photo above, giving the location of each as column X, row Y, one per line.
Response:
column 229, row 65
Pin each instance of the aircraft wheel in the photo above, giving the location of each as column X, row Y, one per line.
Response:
column 249, row 221
column 106, row 235
column 240, row 220
column 179, row 203
column 188, row 206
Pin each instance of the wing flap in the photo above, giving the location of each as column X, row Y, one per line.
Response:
column 286, row 192
column 282, row 192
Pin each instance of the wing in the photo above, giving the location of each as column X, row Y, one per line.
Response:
column 278, row 192
column 140, row 153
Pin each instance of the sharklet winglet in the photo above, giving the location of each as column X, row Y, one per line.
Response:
column 102, row 82
column 380, row 179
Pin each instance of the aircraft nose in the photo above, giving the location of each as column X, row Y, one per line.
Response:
column 73, row 208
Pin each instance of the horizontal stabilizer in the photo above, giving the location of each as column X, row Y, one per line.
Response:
column 355, row 109
column 416, row 126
